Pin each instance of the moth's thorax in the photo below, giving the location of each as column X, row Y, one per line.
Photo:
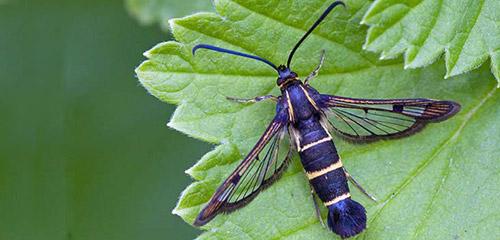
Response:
column 301, row 105
column 284, row 83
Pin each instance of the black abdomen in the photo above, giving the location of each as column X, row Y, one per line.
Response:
column 321, row 161
column 324, row 169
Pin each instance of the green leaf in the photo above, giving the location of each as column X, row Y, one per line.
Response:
column 468, row 31
column 159, row 11
column 440, row 184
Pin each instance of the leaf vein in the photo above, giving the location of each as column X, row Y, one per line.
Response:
column 426, row 162
column 338, row 44
column 468, row 32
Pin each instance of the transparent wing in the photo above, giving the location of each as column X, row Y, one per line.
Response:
column 261, row 167
column 366, row 120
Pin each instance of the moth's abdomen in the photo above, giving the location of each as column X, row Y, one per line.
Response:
column 321, row 161
column 326, row 174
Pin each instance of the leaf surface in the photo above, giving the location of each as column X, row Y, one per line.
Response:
column 467, row 31
column 439, row 184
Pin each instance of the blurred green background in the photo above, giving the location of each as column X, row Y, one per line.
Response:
column 84, row 150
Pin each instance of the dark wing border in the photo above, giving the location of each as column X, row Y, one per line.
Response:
column 429, row 111
column 219, row 201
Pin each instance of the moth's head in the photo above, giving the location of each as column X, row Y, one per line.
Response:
column 285, row 76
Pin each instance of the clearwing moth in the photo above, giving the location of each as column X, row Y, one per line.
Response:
column 308, row 118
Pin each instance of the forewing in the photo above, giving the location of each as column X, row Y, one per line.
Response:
column 366, row 120
column 259, row 169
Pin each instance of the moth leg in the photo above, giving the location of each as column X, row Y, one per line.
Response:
column 316, row 207
column 353, row 181
column 253, row 100
column 316, row 70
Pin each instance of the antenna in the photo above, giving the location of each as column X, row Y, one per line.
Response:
column 323, row 16
column 218, row 49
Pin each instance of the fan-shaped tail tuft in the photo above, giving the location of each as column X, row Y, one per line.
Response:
column 346, row 218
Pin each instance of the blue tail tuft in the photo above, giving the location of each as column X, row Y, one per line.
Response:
column 346, row 218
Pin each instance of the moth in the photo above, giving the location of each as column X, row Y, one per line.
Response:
column 304, row 122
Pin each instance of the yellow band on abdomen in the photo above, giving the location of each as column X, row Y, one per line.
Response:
column 315, row 174
column 338, row 199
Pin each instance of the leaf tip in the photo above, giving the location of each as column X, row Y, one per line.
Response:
column 409, row 66
column 154, row 50
column 190, row 170
column 170, row 125
column 179, row 209
column 147, row 54
column 365, row 45
column 175, row 211
column 171, row 23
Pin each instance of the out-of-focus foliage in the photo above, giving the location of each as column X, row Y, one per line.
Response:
column 159, row 11
column 84, row 153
